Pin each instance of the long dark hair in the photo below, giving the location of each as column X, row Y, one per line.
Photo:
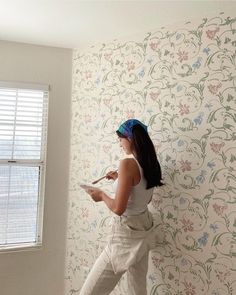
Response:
column 146, row 156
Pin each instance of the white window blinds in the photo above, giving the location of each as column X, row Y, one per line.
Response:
column 23, row 133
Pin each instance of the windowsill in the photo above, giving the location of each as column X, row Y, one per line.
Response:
column 20, row 248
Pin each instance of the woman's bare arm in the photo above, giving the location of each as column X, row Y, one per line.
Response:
column 125, row 183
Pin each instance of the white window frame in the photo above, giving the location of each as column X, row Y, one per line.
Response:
column 37, row 163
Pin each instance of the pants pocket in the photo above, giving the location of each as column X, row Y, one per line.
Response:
column 138, row 223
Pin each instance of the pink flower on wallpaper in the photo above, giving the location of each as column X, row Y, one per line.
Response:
column 83, row 262
column 211, row 33
column 86, row 164
column 107, row 101
column 107, row 148
column 219, row 209
column 183, row 55
column 156, row 202
column 87, row 118
column 154, row 95
column 130, row 65
column 216, row 147
column 222, row 276
column 183, row 109
column 107, row 55
column 214, row 88
column 84, row 212
column 157, row 261
column 130, row 114
column 154, row 45
column 187, row 224
column 185, row 165
column 189, row 288
column 88, row 74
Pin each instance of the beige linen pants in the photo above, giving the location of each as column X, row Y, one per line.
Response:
column 126, row 251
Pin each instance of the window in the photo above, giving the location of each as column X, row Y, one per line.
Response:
column 23, row 133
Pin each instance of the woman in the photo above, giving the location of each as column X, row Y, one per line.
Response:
column 128, row 245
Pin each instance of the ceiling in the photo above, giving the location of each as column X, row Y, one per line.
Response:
column 78, row 24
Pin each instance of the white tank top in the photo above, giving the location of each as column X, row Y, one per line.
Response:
column 139, row 197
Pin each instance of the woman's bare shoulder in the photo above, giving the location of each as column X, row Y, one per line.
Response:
column 128, row 163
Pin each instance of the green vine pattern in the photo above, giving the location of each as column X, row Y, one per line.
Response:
column 181, row 81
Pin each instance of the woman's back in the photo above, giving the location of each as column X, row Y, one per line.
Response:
column 139, row 196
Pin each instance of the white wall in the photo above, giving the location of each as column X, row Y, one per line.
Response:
column 41, row 272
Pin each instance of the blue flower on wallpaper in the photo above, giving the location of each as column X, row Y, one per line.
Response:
column 182, row 200
column 180, row 142
column 197, row 64
column 202, row 241
column 211, row 164
column 150, row 111
column 179, row 88
column 94, row 224
column 206, row 50
column 214, row 227
column 152, row 278
column 101, row 211
column 149, row 60
column 178, row 35
column 208, row 106
column 201, row 177
column 141, row 73
column 97, row 81
column 198, row 120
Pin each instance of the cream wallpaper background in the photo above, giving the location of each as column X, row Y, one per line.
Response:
column 180, row 81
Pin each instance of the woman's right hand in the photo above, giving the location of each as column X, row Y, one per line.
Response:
column 112, row 175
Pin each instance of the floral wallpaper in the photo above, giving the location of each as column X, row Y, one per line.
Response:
column 181, row 81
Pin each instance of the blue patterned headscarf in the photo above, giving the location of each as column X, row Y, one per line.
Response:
column 127, row 127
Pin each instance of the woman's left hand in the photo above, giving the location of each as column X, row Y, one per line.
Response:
column 95, row 193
